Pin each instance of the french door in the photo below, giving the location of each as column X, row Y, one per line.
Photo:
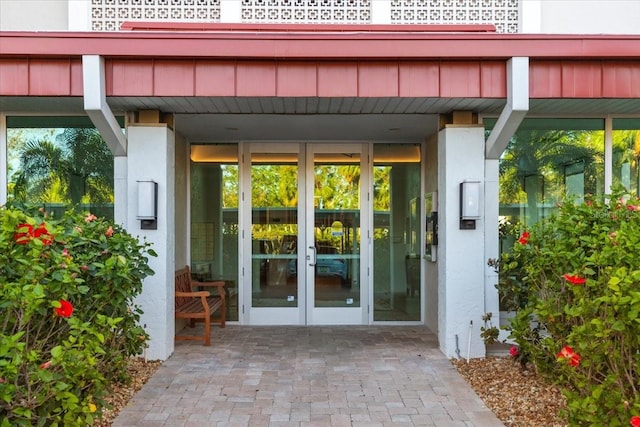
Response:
column 305, row 234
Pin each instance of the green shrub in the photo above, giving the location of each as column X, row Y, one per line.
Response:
column 576, row 279
column 69, row 323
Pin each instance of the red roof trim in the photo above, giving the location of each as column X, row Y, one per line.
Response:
column 305, row 28
column 318, row 45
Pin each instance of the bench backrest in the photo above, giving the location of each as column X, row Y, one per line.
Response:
column 183, row 284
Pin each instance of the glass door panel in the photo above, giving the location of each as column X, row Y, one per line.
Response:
column 336, row 232
column 396, row 232
column 305, row 234
column 214, row 218
column 334, row 202
column 274, row 230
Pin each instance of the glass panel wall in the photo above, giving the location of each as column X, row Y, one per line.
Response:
column 546, row 161
column 336, row 225
column 214, row 217
column 57, row 162
column 626, row 153
column 274, row 230
column 397, row 239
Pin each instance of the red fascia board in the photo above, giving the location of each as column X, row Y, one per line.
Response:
column 305, row 28
column 318, row 45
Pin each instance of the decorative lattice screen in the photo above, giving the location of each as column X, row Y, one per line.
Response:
column 108, row 15
column 504, row 14
column 307, row 11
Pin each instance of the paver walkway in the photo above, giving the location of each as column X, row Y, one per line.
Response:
column 308, row 376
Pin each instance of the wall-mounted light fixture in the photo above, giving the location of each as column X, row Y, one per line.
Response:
column 469, row 204
column 148, row 205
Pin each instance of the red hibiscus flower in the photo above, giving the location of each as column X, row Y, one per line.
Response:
column 524, row 238
column 65, row 309
column 46, row 365
column 109, row 232
column 23, row 236
column 574, row 280
column 43, row 234
column 90, row 218
column 567, row 353
column 635, row 421
column 513, row 351
column 26, row 233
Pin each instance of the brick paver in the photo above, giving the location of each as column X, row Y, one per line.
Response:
column 308, row 376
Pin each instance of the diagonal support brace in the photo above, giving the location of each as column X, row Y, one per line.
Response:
column 95, row 104
column 514, row 111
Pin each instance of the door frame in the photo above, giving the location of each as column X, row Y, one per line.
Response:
column 339, row 315
column 304, row 313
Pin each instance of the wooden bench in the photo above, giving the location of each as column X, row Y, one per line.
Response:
column 195, row 305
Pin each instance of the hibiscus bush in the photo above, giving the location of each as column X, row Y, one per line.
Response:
column 69, row 322
column 576, row 278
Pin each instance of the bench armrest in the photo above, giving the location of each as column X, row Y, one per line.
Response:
column 218, row 284
column 193, row 294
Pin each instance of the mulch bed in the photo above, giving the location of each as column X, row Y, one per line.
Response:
column 139, row 371
column 518, row 397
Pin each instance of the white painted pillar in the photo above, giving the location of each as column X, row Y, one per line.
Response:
column 381, row 12
column 120, row 190
column 461, row 258
column 151, row 156
column 231, row 11
column 491, row 239
column 608, row 154
column 531, row 16
column 3, row 159
column 79, row 15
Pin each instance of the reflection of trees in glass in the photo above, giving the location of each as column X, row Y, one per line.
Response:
column 536, row 165
column 76, row 168
column 229, row 186
column 626, row 152
column 381, row 189
column 540, row 167
column 274, row 185
column 338, row 186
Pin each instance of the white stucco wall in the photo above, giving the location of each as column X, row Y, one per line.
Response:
column 581, row 17
column 181, row 201
column 431, row 268
column 491, row 238
column 461, row 263
column 151, row 156
column 3, row 159
column 32, row 15
column 537, row 16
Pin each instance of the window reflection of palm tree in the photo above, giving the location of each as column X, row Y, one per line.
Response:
column 77, row 168
column 534, row 160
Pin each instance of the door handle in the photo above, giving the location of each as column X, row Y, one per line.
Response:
column 313, row 248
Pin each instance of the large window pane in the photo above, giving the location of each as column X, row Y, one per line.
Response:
column 626, row 152
column 397, row 225
column 56, row 162
column 274, row 230
column 546, row 161
column 214, row 217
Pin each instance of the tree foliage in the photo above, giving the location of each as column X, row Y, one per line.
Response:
column 575, row 279
column 69, row 323
column 75, row 168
